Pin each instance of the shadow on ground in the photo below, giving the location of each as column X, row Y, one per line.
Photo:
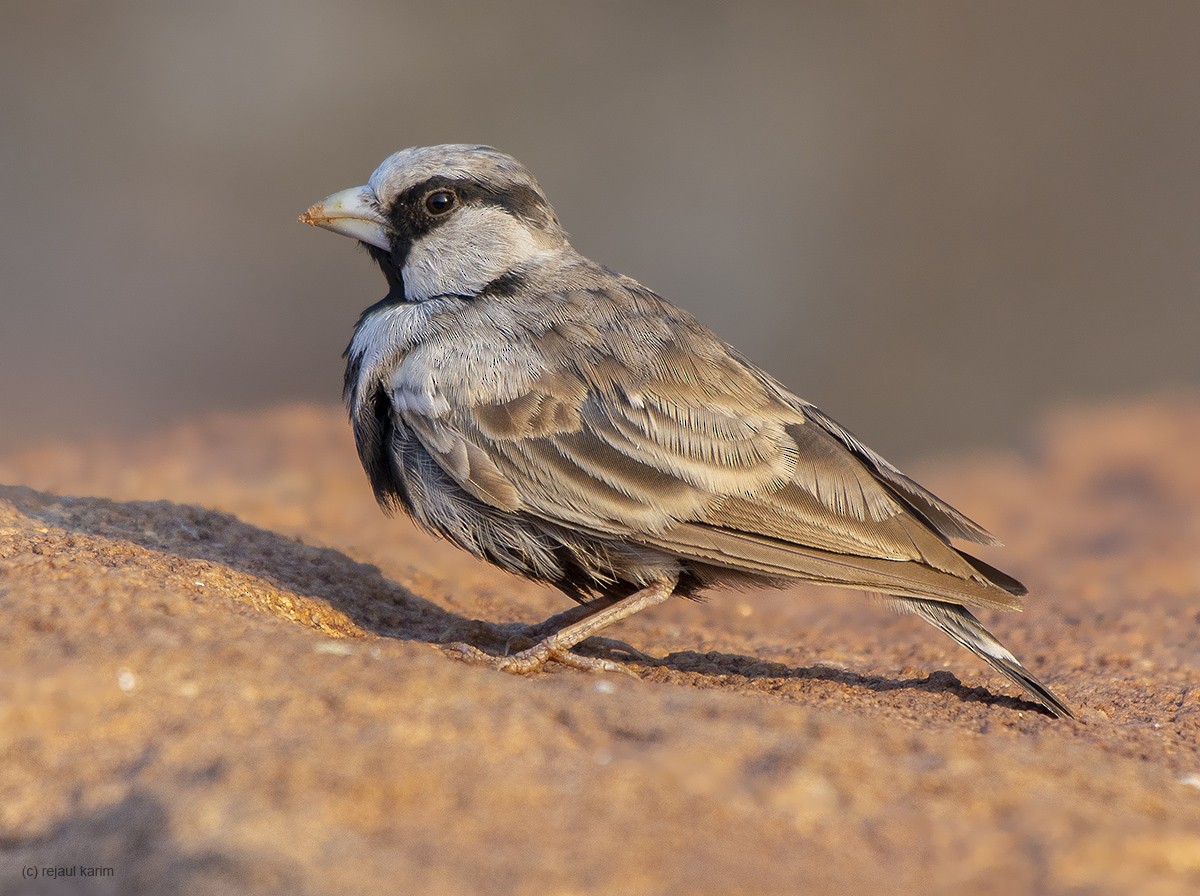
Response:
column 382, row 607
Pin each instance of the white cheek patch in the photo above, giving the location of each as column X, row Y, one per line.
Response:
column 461, row 256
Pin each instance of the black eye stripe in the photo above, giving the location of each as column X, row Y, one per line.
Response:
column 519, row 200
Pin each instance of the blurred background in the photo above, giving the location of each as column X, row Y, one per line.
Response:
column 932, row 219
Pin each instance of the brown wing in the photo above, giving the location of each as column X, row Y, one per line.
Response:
column 689, row 449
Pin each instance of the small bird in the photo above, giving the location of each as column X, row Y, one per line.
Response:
column 567, row 424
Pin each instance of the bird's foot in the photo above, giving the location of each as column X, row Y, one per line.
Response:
column 614, row 644
column 536, row 657
column 557, row 646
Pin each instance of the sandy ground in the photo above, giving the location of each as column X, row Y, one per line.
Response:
column 219, row 673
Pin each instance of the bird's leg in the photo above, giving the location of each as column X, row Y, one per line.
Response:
column 557, row 646
column 561, row 620
column 569, row 616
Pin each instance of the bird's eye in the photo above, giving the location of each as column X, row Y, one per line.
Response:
column 440, row 201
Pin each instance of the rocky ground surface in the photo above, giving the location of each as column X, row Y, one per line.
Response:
column 220, row 673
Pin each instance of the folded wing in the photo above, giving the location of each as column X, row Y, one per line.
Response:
column 692, row 450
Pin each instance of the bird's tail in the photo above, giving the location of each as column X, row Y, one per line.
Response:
column 959, row 623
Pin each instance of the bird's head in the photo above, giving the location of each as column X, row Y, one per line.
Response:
column 445, row 220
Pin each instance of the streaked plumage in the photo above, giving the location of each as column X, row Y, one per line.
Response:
column 567, row 424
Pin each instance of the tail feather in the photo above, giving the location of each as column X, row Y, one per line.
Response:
column 958, row 622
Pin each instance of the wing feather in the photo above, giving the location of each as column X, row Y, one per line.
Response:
column 692, row 450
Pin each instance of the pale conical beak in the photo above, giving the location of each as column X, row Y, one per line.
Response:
column 353, row 213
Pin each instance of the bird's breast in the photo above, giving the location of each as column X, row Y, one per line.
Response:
column 414, row 389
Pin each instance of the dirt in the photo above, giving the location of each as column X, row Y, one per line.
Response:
column 220, row 673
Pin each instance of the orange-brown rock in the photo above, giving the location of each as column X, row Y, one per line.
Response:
column 219, row 674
